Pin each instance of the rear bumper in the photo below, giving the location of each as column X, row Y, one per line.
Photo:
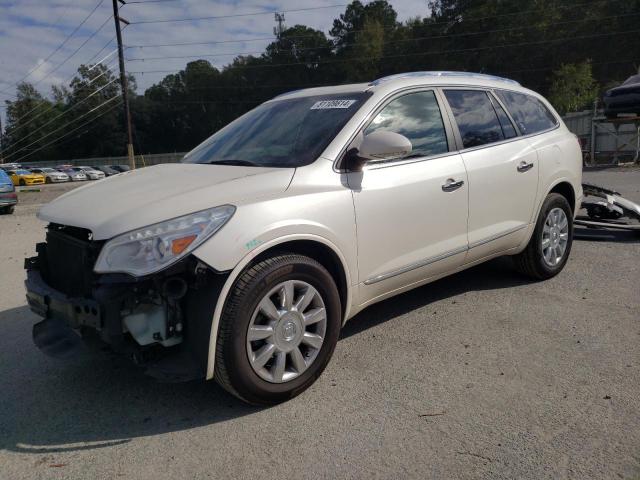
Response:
column 8, row 199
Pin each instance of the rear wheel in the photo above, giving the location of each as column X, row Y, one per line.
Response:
column 7, row 210
column 278, row 329
column 548, row 250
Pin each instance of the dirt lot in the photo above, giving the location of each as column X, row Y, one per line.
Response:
column 480, row 375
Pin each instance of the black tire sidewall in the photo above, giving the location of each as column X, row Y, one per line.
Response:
column 241, row 375
column 553, row 200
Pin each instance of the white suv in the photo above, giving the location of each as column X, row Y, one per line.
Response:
column 243, row 262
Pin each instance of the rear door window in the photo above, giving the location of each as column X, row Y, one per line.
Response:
column 416, row 116
column 477, row 120
column 529, row 113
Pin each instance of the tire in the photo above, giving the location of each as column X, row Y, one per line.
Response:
column 22, row 182
column 531, row 261
column 47, row 180
column 234, row 370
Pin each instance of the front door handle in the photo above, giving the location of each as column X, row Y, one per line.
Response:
column 524, row 166
column 450, row 185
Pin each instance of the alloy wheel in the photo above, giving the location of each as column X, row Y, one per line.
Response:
column 555, row 237
column 286, row 331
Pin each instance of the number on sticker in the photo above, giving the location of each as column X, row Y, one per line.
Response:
column 326, row 104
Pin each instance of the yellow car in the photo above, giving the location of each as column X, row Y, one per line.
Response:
column 24, row 177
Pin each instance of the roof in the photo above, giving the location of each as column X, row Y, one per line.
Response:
column 441, row 74
column 408, row 79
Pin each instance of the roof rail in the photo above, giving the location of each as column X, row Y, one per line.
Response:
column 441, row 74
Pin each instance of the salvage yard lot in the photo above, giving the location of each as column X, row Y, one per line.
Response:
column 480, row 375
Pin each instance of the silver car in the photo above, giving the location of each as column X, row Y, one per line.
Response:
column 74, row 175
column 91, row 173
column 51, row 175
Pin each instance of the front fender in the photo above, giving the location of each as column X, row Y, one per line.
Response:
column 244, row 262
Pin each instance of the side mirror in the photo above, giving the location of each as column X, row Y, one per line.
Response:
column 379, row 146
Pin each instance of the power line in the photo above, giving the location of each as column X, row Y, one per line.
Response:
column 150, row 1
column 75, row 51
column 59, row 46
column 217, row 17
column 102, row 49
column 404, row 40
column 62, row 127
column 69, row 57
column 67, row 134
column 475, row 49
column 184, row 44
column 84, row 100
column 107, row 69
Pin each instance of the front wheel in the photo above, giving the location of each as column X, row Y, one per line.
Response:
column 548, row 250
column 278, row 329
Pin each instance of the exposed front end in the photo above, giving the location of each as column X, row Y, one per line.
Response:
column 162, row 320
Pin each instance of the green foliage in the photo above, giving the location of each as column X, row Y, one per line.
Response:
column 544, row 44
column 573, row 87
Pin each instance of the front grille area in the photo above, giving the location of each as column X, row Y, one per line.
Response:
column 67, row 260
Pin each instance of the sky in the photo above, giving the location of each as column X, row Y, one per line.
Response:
column 31, row 30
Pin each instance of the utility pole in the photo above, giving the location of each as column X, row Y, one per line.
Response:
column 123, row 81
column 277, row 30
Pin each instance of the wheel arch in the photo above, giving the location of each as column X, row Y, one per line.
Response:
column 313, row 246
column 564, row 188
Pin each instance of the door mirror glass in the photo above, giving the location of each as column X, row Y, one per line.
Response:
column 383, row 145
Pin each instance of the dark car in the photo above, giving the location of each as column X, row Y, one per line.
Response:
column 108, row 171
column 623, row 99
column 8, row 197
column 120, row 168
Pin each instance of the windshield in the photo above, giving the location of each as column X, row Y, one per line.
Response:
column 284, row 133
column 23, row 172
column 47, row 170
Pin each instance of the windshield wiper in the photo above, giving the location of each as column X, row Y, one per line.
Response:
column 239, row 163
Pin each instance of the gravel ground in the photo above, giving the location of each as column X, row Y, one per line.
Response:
column 480, row 375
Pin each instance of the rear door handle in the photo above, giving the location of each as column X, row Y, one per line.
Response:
column 450, row 185
column 524, row 166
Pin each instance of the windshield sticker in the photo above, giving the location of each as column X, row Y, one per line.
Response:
column 326, row 104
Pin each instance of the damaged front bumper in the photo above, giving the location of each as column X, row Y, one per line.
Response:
column 162, row 321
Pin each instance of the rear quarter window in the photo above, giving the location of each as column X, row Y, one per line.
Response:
column 529, row 113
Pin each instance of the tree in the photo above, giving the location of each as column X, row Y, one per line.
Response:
column 573, row 87
column 356, row 14
column 30, row 118
column 366, row 52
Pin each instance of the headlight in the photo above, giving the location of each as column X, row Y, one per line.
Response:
column 157, row 246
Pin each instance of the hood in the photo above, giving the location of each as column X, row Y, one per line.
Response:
column 137, row 198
